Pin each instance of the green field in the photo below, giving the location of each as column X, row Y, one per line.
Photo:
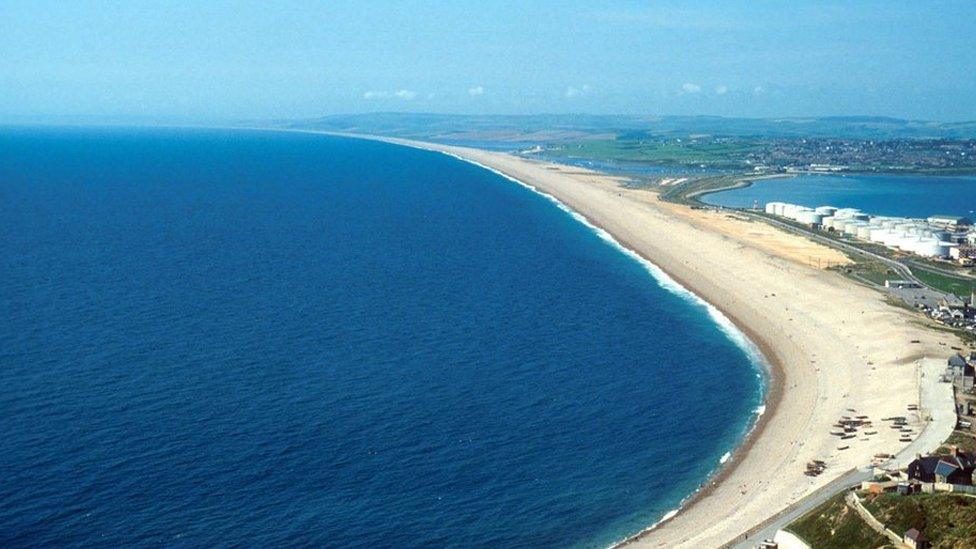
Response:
column 833, row 525
column 948, row 520
column 944, row 283
column 659, row 152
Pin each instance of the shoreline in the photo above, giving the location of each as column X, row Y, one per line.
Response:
column 757, row 277
column 766, row 361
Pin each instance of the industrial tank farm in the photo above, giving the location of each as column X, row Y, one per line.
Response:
column 933, row 237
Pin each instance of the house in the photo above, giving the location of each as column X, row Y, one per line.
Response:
column 953, row 468
column 963, row 254
column 900, row 284
column 915, row 539
column 961, row 373
column 907, row 488
column 950, row 303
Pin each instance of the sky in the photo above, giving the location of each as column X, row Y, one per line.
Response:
column 219, row 60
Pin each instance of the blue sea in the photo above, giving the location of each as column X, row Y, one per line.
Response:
column 893, row 195
column 251, row 338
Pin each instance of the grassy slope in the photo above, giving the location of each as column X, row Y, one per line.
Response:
column 835, row 526
column 947, row 520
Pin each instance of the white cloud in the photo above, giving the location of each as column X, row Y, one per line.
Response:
column 578, row 92
column 405, row 95
column 721, row 90
column 688, row 87
column 759, row 90
column 475, row 91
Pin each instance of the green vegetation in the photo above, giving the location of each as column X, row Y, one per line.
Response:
column 834, row 525
column 964, row 441
column 944, row 283
column 674, row 152
column 872, row 271
column 947, row 520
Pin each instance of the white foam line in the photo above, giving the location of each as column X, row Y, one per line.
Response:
column 731, row 331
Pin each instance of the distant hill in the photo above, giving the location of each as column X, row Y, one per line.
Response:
column 557, row 127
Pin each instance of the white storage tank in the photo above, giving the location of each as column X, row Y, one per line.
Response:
column 826, row 210
column 945, row 247
column 908, row 243
column 864, row 232
column 927, row 247
column 892, row 238
column 810, row 217
column 851, row 227
column 860, row 216
column 770, row 208
column 877, row 234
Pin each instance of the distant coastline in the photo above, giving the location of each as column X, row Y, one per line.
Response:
column 777, row 332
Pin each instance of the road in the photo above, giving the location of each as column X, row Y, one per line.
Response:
column 898, row 267
column 767, row 530
column 937, row 408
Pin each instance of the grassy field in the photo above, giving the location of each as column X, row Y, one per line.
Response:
column 948, row 520
column 964, row 442
column 833, row 525
column 945, row 283
column 659, row 152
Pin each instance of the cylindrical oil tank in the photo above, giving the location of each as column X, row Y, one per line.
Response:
column 877, row 234
column 945, row 247
column 892, row 238
column 927, row 247
column 826, row 210
column 908, row 243
column 864, row 232
column 770, row 208
column 810, row 217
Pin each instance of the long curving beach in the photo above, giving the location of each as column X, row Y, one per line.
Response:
column 833, row 347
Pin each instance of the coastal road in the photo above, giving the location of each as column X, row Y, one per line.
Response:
column 938, row 409
column 767, row 530
column 903, row 270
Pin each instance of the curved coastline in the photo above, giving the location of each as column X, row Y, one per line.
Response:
column 817, row 367
column 761, row 353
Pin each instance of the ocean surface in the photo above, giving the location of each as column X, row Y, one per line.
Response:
column 894, row 195
column 251, row 338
